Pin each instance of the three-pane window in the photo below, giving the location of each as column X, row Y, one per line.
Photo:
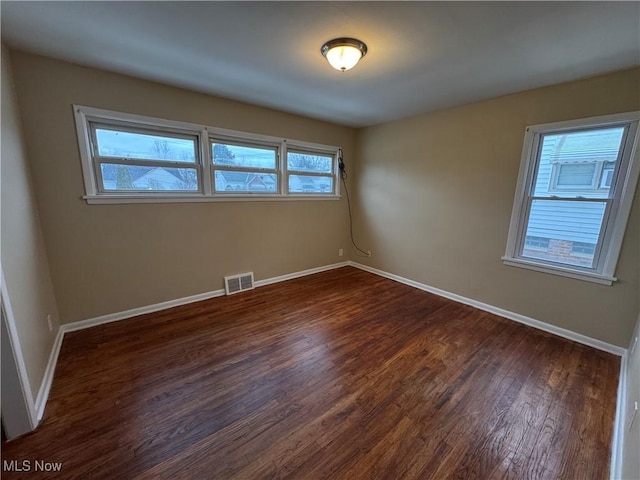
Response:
column 128, row 157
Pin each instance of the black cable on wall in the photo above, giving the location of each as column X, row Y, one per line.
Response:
column 343, row 176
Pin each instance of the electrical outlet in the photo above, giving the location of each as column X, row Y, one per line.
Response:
column 49, row 322
column 340, row 252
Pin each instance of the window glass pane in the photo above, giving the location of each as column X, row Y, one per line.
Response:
column 607, row 175
column 575, row 158
column 305, row 162
column 124, row 144
column 243, row 182
column 564, row 232
column 310, row 184
column 134, row 177
column 576, row 175
column 243, row 156
column 582, row 248
column 536, row 243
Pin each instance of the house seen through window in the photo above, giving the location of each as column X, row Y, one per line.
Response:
column 135, row 160
column 309, row 172
column 570, row 197
column 574, row 195
column 242, row 168
column 129, row 158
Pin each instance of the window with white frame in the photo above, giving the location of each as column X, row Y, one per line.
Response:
column 310, row 172
column 576, row 185
column 129, row 158
column 243, row 167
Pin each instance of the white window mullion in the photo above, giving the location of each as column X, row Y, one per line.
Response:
column 284, row 170
column 98, row 177
column 310, row 174
column 146, row 163
column 237, row 168
column 206, row 165
column 522, row 232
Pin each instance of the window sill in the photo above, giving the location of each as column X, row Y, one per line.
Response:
column 114, row 199
column 558, row 270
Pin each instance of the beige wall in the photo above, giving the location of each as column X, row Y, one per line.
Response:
column 24, row 261
column 111, row 258
column 435, row 194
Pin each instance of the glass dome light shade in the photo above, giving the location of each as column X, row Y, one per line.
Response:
column 344, row 53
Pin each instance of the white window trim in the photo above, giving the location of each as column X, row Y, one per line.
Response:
column 264, row 142
column 612, row 236
column 305, row 147
column 177, row 133
column 93, row 194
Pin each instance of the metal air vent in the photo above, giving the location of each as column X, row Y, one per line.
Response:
column 238, row 283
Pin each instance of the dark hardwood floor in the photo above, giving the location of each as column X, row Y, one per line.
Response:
column 338, row 375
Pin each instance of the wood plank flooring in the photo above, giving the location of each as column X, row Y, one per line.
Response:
column 338, row 375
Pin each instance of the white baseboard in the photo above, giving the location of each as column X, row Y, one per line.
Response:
column 617, row 444
column 134, row 312
column 302, row 273
column 561, row 332
column 45, row 386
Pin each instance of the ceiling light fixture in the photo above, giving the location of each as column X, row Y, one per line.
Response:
column 344, row 53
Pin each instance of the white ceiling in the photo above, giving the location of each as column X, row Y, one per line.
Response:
column 422, row 55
